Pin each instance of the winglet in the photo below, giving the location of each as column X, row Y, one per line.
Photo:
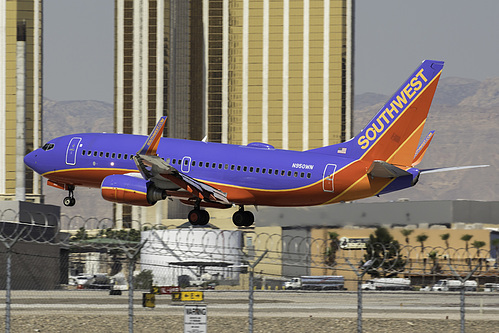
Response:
column 152, row 142
column 418, row 156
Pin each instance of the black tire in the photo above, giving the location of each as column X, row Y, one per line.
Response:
column 68, row 201
column 238, row 218
column 249, row 218
column 205, row 217
column 195, row 216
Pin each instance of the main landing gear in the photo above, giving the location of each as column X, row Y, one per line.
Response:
column 199, row 217
column 70, row 200
column 241, row 218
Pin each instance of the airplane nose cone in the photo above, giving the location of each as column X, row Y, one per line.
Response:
column 31, row 159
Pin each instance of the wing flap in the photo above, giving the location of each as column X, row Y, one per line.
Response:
column 156, row 169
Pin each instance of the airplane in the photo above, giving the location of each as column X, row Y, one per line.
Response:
column 140, row 170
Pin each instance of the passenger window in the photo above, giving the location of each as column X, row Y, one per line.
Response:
column 174, row 161
column 276, row 172
column 213, row 165
column 264, row 170
column 125, row 157
column 220, row 165
column 83, row 152
column 113, row 155
column 89, row 153
column 131, row 156
column 296, row 174
column 251, row 169
column 107, row 155
column 232, row 167
column 226, row 167
column 119, row 156
column 245, row 168
column 238, row 168
column 200, row 164
column 186, row 162
column 101, row 154
column 309, row 175
column 193, row 163
column 283, row 172
column 302, row 174
column 257, row 170
column 207, row 165
column 289, row 173
column 95, row 153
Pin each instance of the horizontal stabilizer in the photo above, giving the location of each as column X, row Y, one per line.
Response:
column 434, row 170
column 383, row 169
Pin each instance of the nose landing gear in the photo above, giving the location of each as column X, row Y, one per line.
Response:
column 70, row 200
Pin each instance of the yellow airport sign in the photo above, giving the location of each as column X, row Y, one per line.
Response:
column 188, row 296
column 148, row 300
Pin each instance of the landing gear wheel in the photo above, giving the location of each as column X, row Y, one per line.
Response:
column 243, row 218
column 69, row 201
column 205, row 217
column 198, row 217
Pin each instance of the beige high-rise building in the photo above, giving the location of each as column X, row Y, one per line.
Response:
column 236, row 71
column 279, row 72
column 20, row 97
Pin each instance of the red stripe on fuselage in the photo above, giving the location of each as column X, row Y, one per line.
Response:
column 84, row 177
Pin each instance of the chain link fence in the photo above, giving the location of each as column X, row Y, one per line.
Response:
column 118, row 280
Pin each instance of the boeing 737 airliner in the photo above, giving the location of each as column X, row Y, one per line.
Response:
column 139, row 170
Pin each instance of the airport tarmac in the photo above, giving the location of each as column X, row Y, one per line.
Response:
column 332, row 304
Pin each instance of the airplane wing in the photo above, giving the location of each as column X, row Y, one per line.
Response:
column 165, row 176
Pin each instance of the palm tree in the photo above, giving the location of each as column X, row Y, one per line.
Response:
column 445, row 238
column 433, row 255
column 466, row 238
column 333, row 248
column 477, row 245
column 406, row 233
column 422, row 238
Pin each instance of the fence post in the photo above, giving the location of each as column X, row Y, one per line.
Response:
column 251, row 291
column 131, row 254
column 8, row 278
column 463, row 287
column 367, row 265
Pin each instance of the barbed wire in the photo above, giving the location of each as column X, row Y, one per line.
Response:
column 236, row 247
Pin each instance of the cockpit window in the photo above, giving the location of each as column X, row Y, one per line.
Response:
column 48, row 146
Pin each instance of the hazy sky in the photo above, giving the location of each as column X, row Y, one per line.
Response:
column 391, row 38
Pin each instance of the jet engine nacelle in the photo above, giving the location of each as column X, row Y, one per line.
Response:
column 131, row 190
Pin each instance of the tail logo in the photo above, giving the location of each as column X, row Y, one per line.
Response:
column 398, row 103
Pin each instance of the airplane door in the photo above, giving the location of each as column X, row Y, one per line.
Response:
column 72, row 150
column 328, row 178
column 186, row 164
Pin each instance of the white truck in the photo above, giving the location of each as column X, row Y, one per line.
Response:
column 453, row 285
column 387, row 284
column 319, row 282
